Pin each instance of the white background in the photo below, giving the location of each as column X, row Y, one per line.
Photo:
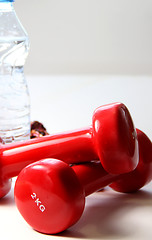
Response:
column 64, row 103
column 88, row 36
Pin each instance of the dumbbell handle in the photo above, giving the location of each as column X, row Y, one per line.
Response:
column 71, row 147
column 93, row 177
column 112, row 138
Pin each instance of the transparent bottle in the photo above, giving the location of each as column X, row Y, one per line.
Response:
column 14, row 94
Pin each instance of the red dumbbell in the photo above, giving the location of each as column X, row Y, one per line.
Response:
column 50, row 194
column 112, row 138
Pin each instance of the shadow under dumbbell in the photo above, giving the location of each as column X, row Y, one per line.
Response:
column 7, row 200
column 111, row 215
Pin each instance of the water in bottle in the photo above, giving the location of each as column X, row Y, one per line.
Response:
column 14, row 95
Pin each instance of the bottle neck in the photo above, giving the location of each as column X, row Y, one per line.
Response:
column 6, row 6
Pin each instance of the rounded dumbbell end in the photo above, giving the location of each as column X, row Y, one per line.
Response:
column 49, row 196
column 115, row 138
column 142, row 175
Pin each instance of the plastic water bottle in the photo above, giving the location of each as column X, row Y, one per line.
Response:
column 14, row 95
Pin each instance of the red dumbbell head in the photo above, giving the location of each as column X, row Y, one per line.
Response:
column 142, row 175
column 115, row 138
column 49, row 196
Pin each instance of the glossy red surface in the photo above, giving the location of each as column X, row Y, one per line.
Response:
column 111, row 138
column 50, row 195
column 115, row 138
column 142, row 175
column 71, row 147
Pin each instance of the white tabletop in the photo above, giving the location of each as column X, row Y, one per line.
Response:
column 62, row 103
